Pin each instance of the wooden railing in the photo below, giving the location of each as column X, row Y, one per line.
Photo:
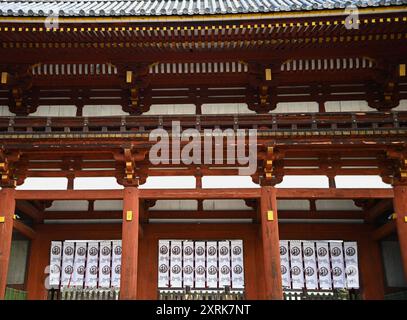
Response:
column 83, row 294
column 109, row 294
column 14, row 294
column 187, row 294
column 321, row 295
column 339, row 121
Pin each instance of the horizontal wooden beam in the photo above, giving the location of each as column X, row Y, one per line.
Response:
column 224, row 193
column 251, row 214
column 73, row 215
column 334, row 193
column 24, row 229
column 69, row 194
column 323, row 231
column 201, row 214
column 28, row 209
column 320, row 214
column 206, row 214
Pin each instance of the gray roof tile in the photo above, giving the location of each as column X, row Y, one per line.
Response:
column 78, row 8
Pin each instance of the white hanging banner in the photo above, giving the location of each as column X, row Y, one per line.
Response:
column 116, row 263
column 91, row 275
column 324, row 267
column 224, row 264
column 297, row 275
column 67, row 263
column 237, row 264
column 212, row 264
column 79, row 264
column 351, row 265
column 105, row 263
column 163, row 263
column 55, row 263
column 285, row 264
column 337, row 261
column 310, row 265
column 200, row 268
column 188, row 262
column 176, row 264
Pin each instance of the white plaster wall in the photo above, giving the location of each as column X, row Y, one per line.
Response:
column 227, row 204
column 103, row 111
column 295, row 107
column 175, row 205
column 226, row 108
column 69, row 205
column 44, row 184
column 347, row 106
column 360, row 182
column 4, row 112
column 336, row 205
column 228, row 182
column 304, row 182
column 402, row 106
column 293, row 205
column 162, row 109
column 54, row 111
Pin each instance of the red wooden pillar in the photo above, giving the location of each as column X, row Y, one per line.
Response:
column 7, row 207
column 371, row 269
column 271, row 244
column 400, row 207
column 130, row 236
column 37, row 266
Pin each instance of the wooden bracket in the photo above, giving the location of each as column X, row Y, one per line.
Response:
column 396, row 167
column 8, row 168
column 264, row 97
column 268, row 163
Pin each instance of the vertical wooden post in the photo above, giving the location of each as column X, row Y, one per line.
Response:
column 37, row 267
column 7, row 207
column 371, row 269
column 400, row 207
column 271, row 244
column 130, row 238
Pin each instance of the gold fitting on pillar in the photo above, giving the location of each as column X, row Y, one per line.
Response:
column 270, row 215
column 4, row 78
column 129, row 215
column 129, row 76
column 268, row 75
column 405, row 219
column 402, row 70
column 394, row 216
column 2, row 219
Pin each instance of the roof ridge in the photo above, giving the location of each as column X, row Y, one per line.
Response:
column 128, row 8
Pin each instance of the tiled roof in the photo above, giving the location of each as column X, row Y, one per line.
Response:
column 78, row 8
